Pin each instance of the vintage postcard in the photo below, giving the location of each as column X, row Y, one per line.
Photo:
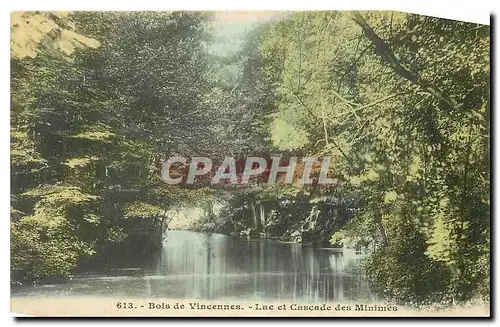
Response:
column 242, row 164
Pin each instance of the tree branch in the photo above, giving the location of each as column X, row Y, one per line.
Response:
column 385, row 52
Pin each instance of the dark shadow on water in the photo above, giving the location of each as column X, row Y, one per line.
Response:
column 213, row 266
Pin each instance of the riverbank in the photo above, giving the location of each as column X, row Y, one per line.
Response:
column 306, row 238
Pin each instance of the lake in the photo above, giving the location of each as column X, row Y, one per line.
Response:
column 214, row 266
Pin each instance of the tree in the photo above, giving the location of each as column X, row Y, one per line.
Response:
column 406, row 123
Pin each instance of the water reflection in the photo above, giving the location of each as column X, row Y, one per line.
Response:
column 214, row 266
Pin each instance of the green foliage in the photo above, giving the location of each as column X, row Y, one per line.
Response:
column 401, row 104
column 99, row 133
column 409, row 276
column 143, row 210
column 80, row 162
column 90, row 128
column 37, row 257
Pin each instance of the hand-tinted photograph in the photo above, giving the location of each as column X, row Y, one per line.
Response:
column 287, row 163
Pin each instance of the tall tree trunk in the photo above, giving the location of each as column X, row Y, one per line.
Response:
column 380, row 226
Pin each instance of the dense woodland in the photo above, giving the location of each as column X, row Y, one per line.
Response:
column 400, row 102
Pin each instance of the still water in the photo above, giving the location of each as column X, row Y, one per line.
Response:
column 214, row 266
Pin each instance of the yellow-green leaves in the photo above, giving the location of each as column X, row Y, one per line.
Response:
column 60, row 195
column 390, row 197
column 371, row 175
column 414, row 168
column 442, row 243
column 54, row 29
column 98, row 132
column 80, row 162
column 355, row 180
column 287, row 136
column 143, row 210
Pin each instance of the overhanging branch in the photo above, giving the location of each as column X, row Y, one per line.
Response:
column 385, row 52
